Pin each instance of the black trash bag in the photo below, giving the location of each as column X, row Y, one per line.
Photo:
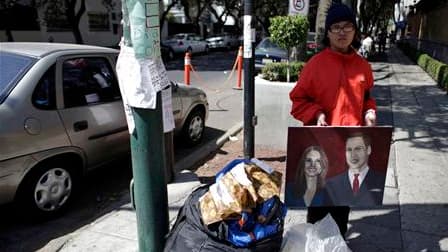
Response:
column 190, row 234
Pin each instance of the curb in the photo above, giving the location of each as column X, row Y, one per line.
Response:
column 200, row 154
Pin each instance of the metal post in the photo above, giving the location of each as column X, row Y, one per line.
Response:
column 150, row 193
column 148, row 188
column 249, row 100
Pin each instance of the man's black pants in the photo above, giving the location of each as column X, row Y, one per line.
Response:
column 339, row 214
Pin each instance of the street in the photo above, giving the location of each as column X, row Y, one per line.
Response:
column 413, row 217
column 108, row 187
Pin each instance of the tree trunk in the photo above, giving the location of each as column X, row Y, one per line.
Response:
column 74, row 19
column 8, row 31
column 9, row 35
column 77, row 34
column 165, row 13
column 322, row 9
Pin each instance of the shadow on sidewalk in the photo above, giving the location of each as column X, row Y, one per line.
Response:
column 408, row 227
column 421, row 112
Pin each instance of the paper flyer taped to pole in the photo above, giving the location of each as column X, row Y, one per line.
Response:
column 140, row 69
column 140, row 80
column 247, row 33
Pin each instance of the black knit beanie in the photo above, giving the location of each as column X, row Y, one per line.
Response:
column 338, row 13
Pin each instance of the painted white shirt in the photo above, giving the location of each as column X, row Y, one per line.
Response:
column 361, row 177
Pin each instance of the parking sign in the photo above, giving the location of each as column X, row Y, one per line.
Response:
column 298, row 7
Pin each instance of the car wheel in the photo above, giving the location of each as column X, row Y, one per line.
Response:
column 47, row 190
column 194, row 127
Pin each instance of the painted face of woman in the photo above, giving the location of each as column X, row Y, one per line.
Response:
column 313, row 164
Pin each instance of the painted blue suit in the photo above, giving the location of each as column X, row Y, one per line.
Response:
column 370, row 193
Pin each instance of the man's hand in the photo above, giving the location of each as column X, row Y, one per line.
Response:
column 321, row 120
column 370, row 118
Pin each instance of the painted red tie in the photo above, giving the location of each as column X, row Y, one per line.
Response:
column 356, row 184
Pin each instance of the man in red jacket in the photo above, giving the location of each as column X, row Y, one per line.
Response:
column 334, row 89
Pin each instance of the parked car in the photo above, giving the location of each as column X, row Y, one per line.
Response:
column 267, row 52
column 187, row 42
column 223, row 41
column 311, row 45
column 62, row 115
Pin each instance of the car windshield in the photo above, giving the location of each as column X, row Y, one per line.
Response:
column 179, row 36
column 13, row 67
column 267, row 45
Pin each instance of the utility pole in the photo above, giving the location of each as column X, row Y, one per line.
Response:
column 249, row 88
column 150, row 193
column 140, row 48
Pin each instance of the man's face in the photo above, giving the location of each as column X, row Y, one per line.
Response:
column 341, row 35
column 356, row 153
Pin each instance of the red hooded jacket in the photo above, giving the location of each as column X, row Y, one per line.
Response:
column 336, row 84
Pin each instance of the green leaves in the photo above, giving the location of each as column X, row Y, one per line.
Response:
column 277, row 71
column 289, row 31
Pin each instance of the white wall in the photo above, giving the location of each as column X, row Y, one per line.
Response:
column 272, row 107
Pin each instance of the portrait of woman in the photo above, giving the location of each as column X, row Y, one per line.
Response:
column 309, row 183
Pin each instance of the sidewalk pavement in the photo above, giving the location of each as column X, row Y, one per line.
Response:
column 414, row 216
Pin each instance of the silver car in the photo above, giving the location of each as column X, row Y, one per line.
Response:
column 225, row 40
column 186, row 42
column 61, row 115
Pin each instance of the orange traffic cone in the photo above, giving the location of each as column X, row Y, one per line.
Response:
column 240, row 68
column 187, row 68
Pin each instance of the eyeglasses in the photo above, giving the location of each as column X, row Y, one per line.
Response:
column 345, row 28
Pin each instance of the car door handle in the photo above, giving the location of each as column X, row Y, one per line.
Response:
column 81, row 125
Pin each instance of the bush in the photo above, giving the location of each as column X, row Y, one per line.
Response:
column 423, row 60
column 436, row 69
column 444, row 82
column 277, row 71
column 289, row 31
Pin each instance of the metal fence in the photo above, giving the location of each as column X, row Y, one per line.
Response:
column 436, row 50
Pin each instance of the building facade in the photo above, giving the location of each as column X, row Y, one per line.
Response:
column 425, row 31
column 99, row 24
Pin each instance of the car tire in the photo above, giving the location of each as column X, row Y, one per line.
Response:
column 193, row 129
column 47, row 190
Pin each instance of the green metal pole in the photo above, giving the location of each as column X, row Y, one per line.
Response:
column 150, row 193
column 148, row 188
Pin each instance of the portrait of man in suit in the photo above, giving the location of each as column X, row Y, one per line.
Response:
column 359, row 185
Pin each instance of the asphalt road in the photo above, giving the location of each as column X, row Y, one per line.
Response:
column 108, row 187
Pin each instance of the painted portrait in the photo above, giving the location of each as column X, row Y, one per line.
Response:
column 336, row 166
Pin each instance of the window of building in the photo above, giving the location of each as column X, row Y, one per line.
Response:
column 98, row 21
